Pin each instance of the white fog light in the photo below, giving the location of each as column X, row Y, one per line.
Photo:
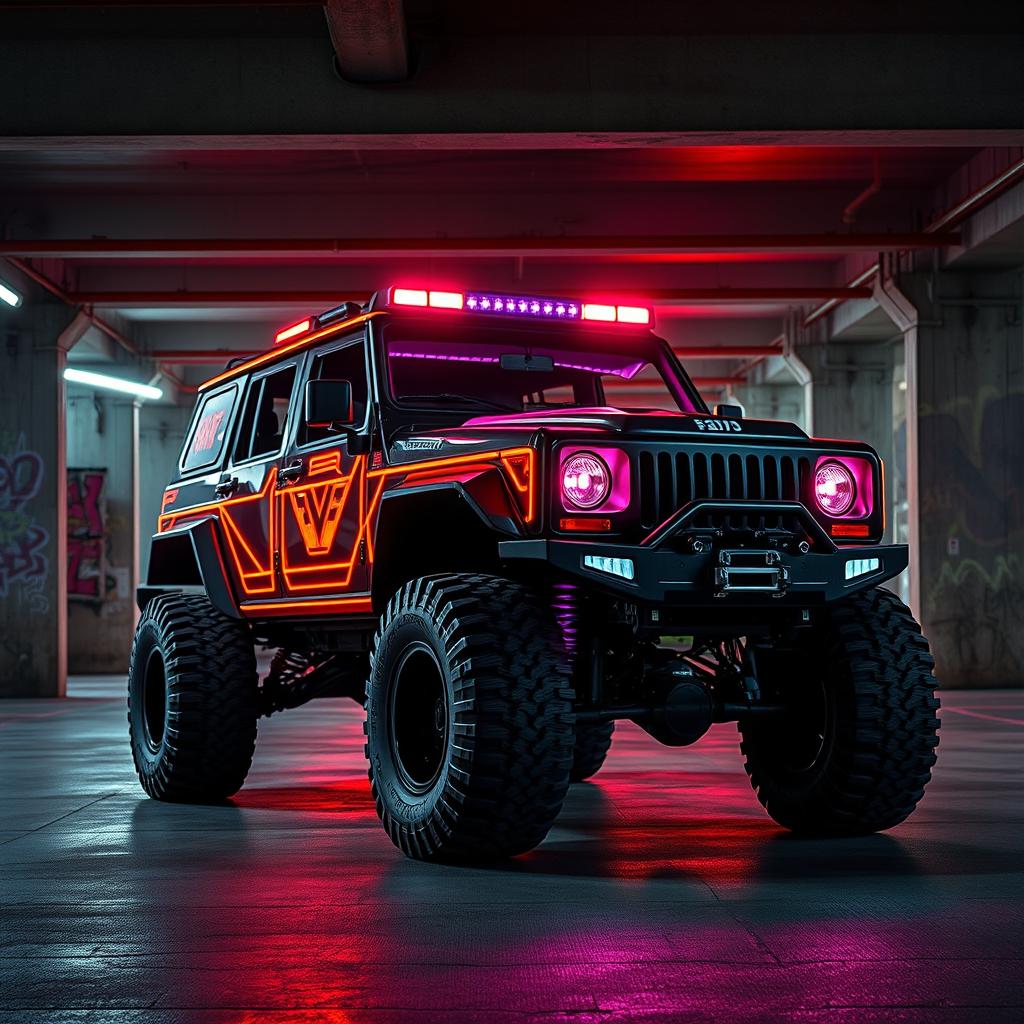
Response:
column 861, row 567
column 613, row 566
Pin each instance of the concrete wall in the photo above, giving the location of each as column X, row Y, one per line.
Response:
column 32, row 580
column 853, row 395
column 102, row 546
column 161, row 431
column 971, row 453
column 101, row 438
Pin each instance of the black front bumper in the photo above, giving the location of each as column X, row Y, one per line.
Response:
column 736, row 577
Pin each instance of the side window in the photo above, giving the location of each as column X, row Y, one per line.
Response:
column 347, row 363
column 211, row 427
column 261, row 431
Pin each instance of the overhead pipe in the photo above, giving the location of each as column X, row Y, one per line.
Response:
column 54, row 289
column 387, row 248
column 851, row 208
column 941, row 225
column 656, row 296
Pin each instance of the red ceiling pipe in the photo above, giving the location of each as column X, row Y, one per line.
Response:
column 55, row 289
column 951, row 218
column 366, row 248
column 317, row 298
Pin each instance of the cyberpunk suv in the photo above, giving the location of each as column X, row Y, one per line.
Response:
column 445, row 506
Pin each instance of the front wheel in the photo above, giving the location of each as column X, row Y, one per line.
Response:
column 192, row 700
column 469, row 722
column 855, row 749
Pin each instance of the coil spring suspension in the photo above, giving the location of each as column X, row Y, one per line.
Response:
column 566, row 605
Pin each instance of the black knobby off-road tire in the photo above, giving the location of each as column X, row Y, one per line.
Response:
column 593, row 741
column 192, row 700
column 857, row 751
column 480, row 770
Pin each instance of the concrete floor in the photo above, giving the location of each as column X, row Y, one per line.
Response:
column 663, row 894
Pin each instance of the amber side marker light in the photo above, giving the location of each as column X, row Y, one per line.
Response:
column 585, row 525
column 850, row 530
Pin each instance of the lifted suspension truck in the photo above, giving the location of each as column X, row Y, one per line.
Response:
column 453, row 508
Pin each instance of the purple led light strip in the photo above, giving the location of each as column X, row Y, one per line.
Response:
column 523, row 305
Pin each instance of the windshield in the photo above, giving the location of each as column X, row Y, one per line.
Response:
column 506, row 369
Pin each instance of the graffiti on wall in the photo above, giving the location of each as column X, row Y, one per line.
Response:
column 972, row 530
column 24, row 567
column 87, row 537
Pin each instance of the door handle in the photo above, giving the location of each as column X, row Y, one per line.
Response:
column 226, row 486
column 290, row 472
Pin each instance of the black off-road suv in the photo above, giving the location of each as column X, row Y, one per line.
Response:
column 501, row 522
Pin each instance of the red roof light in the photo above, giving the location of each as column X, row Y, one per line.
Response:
column 293, row 332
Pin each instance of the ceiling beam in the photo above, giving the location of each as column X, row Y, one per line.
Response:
column 199, row 299
column 435, row 248
column 370, row 40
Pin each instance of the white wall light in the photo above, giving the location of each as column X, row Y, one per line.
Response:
column 9, row 295
column 101, row 380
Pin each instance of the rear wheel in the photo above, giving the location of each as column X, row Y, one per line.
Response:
column 855, row 751
column 192, row 700
column 593, row 741
column 469, row 724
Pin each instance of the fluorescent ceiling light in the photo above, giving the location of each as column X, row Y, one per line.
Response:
column 101, row 380
column 9, row 295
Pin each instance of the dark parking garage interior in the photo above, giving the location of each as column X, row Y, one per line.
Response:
column 823, row 210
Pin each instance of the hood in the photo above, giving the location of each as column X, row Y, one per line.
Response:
column 483, row 432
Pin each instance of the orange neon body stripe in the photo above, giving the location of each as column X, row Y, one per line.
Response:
column 282, row 350
column 317, row 508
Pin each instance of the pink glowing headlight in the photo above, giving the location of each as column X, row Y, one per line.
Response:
column 586, row 480
column 834, row 488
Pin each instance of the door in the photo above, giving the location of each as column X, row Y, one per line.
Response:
column 322, row 499
column 250, row 481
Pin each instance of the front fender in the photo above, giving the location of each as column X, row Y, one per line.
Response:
column 188, row 558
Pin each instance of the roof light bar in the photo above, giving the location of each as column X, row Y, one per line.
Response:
column 523, row 305
column 533, row 306
column 294, row 331
column 408, row 297
column 633, row 315
column 101, row 380
column 446, row 300
column 595, row 311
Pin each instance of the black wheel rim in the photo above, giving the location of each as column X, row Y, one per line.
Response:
column 154, row 701
column 418, row 717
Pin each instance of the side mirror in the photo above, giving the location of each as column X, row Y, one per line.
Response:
column 733, row 412
column 328, row 403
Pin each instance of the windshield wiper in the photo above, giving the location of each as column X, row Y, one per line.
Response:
column 452, row 396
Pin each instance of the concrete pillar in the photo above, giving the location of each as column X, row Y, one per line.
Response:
column 103, row 529
column 161, row 434
column 852, row 393
column 33, row 580
column 971, row 472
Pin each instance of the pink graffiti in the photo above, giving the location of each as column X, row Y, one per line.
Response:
column 85, row 488
column 21, row 476
column 84, row 560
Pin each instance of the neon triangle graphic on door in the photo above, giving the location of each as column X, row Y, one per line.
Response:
column 318, row 513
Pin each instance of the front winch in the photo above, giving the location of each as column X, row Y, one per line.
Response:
column 746, row 571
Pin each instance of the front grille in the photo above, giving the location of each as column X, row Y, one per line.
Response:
column 668, row 480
